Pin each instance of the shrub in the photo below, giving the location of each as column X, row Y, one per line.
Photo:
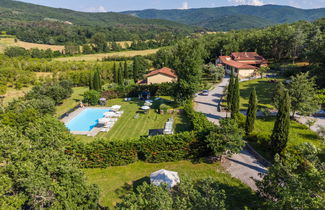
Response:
column 44, row 106
column 54, row 91
column 91, row 97
column 164, row 148
column 101, row 154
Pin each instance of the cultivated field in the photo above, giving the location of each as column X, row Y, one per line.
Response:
column 100, row 56
column 8, row 42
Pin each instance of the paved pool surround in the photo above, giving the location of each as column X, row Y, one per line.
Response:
column 74, row 114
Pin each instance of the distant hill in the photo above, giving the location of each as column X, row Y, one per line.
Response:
column 234, row 17
column 19, row 18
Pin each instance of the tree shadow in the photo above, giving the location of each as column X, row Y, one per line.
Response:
column 240, row 197
column 131, row 187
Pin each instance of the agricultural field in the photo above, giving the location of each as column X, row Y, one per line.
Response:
column 115, row 182
column 12, row 94
column 133, row 124
column 100, row 56
column 8, row 42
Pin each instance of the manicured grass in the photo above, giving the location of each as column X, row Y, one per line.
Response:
column 130, row 126
column 298, row 134
column 100, row 56
column 70, row 102
column 264, row 90
column 115, row 182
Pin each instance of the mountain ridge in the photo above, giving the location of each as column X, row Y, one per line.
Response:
column 263, row 16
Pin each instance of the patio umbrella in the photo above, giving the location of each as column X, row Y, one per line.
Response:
column 147, row 104
column 145, row 107
column 148, row 101
column 170, row 178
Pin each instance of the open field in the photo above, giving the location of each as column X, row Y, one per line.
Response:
column 264, row 90
column 100, row 56
column 115, row 182
column 128, row 126
column 71, row 102
column 8, row 42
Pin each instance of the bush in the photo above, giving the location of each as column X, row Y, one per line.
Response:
column 101, row 154
column 44, row 106
column 166, row 148
column 54, row 91
column 91, row 97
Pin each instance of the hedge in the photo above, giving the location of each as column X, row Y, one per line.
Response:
column 154, row 149
column 164, row 89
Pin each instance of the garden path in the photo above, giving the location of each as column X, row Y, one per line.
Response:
column 244, row 166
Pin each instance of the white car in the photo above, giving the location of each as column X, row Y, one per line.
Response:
column 205, row 92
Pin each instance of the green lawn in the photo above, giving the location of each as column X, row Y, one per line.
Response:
column 71, row 102
column 115, row 182
column 298, row 134
column 128, row 126
column 264, row 90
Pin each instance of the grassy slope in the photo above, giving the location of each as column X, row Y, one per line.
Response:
column 95, row 57
column 71, row 102
column 264, row 91
column 115, row 182
column 298, row 133
column 129, row 127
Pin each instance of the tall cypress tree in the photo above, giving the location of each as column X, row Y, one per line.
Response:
column 235, row 100
column 135, row 69
column 230, row 90
column 96, row 81
column 115, row 73
column 91, row 81
column 251, row 113
column 120, row 75
column 280, row 134
column 126, row 70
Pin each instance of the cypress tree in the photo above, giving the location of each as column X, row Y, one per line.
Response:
column 251, row 113
column 115, row 73
column 91, row 81
column 230, row 90
column 120, row 75
column 97, row 82
column 126, row 71
column 135, row 69
column 280, row 134
column 235, row 99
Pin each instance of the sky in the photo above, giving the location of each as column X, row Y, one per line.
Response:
column 123, row 5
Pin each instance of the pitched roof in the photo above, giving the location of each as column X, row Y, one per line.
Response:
column 166, row 71
column 228, row 61
column 242, row 56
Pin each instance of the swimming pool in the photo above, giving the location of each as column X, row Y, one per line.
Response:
column 86, row 120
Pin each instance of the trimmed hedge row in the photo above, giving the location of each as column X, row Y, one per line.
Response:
column 164, row 89
column 155, row 149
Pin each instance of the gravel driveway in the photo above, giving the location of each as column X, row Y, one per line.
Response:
column 243, row 166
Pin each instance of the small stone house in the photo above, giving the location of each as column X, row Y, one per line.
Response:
column 163, row 75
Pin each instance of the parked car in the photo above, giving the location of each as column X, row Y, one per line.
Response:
column 205, row 92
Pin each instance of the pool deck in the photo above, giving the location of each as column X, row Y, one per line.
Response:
column 72, row 115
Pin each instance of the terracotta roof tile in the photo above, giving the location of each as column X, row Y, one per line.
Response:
column 166, row 71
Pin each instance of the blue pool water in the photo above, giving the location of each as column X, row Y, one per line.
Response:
column 86, row 120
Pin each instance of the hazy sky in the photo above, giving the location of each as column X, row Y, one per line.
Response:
column 123, row 5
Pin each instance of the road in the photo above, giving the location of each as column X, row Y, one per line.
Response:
column 243, row 166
